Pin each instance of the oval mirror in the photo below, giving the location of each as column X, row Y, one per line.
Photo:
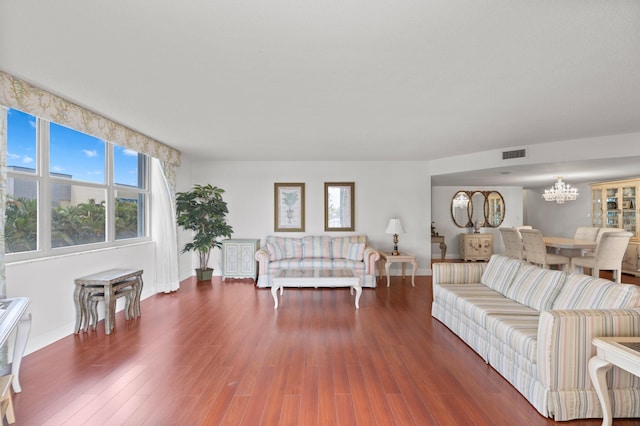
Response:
column 461, row 209
column 493, row 209
column 477, row 209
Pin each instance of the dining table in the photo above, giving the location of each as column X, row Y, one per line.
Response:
column 569, row 246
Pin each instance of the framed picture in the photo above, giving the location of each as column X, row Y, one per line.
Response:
column 626, row 204
column 339, row 206
column 289, row 207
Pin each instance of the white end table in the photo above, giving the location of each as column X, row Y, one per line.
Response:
column 623, row 352
column 403, row 258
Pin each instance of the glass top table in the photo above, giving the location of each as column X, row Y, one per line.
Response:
column 314, row 278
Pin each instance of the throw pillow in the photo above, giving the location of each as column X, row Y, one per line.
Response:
column 356, row 251
column 275, row 252
column 340, row 245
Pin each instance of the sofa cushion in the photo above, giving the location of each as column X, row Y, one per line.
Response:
column 316, row 247
column 536, row 287
column 290, row 247
column 499, row 273
column 585, row 292
column 477, row 301
column 340, row 245
column 316, row 262
column 356, row 251
column 283, row 264
column 519, row 332
column 349, row 264
column 275, row 252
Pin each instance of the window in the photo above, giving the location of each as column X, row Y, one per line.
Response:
column 96, row 191
column 21, row 141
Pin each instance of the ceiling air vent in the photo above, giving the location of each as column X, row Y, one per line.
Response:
column 516, row 153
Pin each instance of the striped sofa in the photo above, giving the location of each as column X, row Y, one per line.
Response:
column 535, row 326
column 317, row 251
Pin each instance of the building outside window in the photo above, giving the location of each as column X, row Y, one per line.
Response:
column 95, row 192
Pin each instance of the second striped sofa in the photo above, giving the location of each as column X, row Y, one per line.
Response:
column 535, row 326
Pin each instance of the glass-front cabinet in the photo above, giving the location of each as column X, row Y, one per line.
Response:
column 615, row 205
column 596, row 209
column 612, row 212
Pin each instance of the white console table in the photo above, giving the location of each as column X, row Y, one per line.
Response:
column 14, row 316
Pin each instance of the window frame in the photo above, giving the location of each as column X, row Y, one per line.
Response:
column 44, row 180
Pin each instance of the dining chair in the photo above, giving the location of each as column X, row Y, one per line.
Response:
column 586, row 233
column 523, row 227
column 536, row 251
column 512, row 243
column 601, row 232
column 608, row 256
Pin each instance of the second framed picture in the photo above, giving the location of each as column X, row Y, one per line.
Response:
column 289, row 207
column 339, row 206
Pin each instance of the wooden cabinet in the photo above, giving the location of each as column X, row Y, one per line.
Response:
column 615, row 205
column 476, row 246
column 238, row 258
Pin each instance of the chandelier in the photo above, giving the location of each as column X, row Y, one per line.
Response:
column 560, row 192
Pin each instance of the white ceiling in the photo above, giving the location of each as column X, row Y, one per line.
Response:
column 337, row 79
column 544, row 175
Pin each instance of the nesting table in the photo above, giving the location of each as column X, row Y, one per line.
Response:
column 107, row 282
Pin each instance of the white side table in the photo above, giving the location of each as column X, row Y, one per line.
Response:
column 403, row 258
column 623, row 352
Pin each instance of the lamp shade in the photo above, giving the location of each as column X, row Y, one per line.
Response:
column 395, row 227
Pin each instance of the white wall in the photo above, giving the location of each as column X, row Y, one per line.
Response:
column 184, row 183
column 610, row 146
column 441, row 197
column 560, row 220
column 49, row 283
column 382, row 189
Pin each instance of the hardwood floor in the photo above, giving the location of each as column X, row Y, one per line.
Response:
column 219, row 354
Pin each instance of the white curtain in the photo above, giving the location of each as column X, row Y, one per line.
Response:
column 3, row 194
column 163, row 230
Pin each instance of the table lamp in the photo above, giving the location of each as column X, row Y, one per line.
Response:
column 395, row 228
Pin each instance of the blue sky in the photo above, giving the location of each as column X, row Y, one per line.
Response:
column 71, row 152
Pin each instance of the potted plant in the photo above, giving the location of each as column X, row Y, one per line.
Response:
column 203, row 211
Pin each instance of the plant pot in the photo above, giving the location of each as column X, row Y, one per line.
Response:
column 204, row 274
